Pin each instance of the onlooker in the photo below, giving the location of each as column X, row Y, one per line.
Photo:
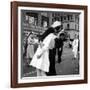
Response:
column 30, row 48
column 75, row 46
column 59, row 42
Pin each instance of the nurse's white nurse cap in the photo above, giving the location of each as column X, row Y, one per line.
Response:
column 55, row 24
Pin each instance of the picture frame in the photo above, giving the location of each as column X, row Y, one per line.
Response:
column 18, row 10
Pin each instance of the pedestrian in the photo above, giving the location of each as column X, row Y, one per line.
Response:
column 75, row 46
column 43, row 58
column 30, row 48
column 25, row 44
column 36, row 41
column 59, row 42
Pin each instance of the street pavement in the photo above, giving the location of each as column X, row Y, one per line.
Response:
column 68, row 65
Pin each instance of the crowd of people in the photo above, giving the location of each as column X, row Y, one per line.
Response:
column 41, row 52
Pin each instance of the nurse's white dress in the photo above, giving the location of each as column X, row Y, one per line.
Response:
column 43, row 63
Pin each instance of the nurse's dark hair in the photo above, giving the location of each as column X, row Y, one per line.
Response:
column 46, row 33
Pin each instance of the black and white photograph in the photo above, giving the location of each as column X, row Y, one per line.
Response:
column 50, row 44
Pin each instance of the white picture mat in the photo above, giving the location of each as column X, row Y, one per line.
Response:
column 52, row 78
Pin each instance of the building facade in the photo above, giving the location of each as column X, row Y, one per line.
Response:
column 38, row 22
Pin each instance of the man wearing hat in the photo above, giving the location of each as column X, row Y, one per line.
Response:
column 59, row 42
column 56, row 27
column 44, row 58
